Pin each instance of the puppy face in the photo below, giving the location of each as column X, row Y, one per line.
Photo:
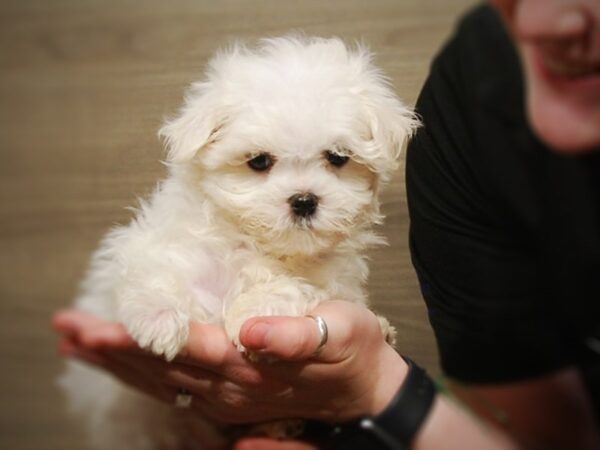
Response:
column 291, row 141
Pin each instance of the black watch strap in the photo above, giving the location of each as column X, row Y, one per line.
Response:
column 396, row 426
column 402, row 419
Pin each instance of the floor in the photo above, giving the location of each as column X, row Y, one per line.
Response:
column 83, row 88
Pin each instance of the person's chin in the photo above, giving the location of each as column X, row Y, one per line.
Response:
column 563, row 127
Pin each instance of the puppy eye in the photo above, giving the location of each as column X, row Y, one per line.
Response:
column 261, row 163
column 335, row 159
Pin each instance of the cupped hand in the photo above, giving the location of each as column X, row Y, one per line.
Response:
column 356, row 373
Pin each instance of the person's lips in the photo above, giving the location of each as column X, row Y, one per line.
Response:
column 575, row 76
column 568, row 69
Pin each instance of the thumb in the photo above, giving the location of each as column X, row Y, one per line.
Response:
column 298, row 338
column 288, row 338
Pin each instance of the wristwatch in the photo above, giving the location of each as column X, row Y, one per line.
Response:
column 396, row 426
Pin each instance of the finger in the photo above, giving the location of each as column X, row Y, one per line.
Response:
column 271, row 444
column 66, row 346
column 108, row 335
column 207, row 349
column 180, row 373
column 289, row 338
column 298, row 338
column 195, row 379
column 72, row 350
column 141, row 382
column 130, row 375
column 92, row 331
column 208, row 346
column 177, row 375
column 73, row 319
column 69, row 321
column 215, row 396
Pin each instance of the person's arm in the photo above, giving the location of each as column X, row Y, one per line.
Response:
column 334, row 386
column 547, row 412
column 449, row 427
column 452, row 426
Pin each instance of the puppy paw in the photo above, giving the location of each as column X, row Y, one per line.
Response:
column 388, row 331
column 162, row 330
column 232, row 328
column 281, row 296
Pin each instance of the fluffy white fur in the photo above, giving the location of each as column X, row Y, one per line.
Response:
column 217, row 242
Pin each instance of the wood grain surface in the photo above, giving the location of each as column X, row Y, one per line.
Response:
column 84, row 85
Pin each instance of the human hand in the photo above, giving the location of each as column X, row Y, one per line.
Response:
column 355, row 374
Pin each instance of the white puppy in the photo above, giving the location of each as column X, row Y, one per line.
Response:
column 275, row 163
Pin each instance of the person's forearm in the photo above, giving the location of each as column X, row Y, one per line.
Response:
column 450, row 427
column 552, row 411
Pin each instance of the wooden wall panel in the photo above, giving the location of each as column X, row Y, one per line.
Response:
column 84, row 86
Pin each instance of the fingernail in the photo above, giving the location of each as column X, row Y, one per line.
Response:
column 259, row 334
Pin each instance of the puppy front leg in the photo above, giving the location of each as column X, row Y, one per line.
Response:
column 388, row 331
column 280, row 296
column 156, row 313
column 154, row 293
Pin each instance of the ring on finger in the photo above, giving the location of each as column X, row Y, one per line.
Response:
column 323, row 333
column 183, row 398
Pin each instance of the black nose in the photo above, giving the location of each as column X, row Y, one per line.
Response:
column 304, row 205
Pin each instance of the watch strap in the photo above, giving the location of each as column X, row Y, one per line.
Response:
column 396, row 426
column 407, row 411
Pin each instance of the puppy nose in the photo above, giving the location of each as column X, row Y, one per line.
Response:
column 304, row 205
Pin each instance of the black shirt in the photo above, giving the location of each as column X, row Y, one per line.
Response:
column 505, row 234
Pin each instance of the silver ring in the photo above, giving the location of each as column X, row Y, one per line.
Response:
column 323, row 332
column 183, row 399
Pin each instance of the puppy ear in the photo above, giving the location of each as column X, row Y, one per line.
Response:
column 391, row 124
column 196, row 124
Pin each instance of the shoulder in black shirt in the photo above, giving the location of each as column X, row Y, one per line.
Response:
column 505, row 234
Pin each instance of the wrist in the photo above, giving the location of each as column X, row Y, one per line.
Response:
column 391, row 375
column 397, row 425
